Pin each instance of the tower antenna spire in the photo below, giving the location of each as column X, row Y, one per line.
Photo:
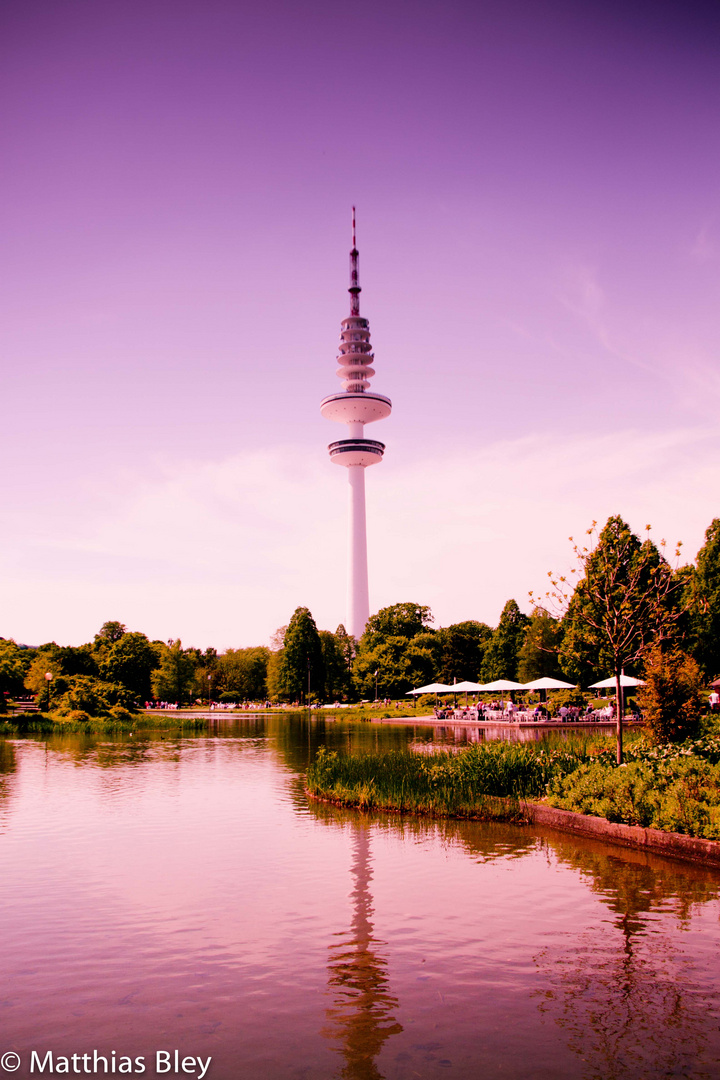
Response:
column 354, row 289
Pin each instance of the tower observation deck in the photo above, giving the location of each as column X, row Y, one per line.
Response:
column 356, row 406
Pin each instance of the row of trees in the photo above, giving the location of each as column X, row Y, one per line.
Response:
column 622, row 597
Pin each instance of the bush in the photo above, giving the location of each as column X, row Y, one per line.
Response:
column 76, row 716
column 93, row 696
column 680, row 794
column 671, row 698
column 120, row 714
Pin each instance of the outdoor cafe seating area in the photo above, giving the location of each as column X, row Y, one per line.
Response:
column 505, row 710
column 519, row 715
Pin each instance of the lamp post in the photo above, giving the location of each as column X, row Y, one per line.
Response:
column 376, row 678
column 48, row 679
column 209, row 691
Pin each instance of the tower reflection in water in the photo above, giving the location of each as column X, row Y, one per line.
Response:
column 360, row 1018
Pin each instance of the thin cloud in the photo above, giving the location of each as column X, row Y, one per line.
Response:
column 221, row 553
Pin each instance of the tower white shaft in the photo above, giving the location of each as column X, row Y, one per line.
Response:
column 358, row 605
column 355, row 406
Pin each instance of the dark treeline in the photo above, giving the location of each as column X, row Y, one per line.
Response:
column 622, row 583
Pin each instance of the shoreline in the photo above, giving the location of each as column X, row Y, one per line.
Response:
column 671, row 845
column 524, row 725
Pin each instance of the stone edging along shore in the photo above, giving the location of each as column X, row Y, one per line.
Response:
column 675, row 845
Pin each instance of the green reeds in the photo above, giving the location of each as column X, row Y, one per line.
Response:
column 489, row 780
column 33, row 723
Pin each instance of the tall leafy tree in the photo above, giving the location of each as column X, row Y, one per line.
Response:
column 538, row 657
column 502, row 654
column 174, row 678
column 462, row 650
column 401, row 663
column 301, row 656
column 400, row 645
column 12, row 670
column 242, row 672
column 110, row 632
column 626, row 599
column 130, row 660
column 338, row 677
column 704, row 596
column 398, row 620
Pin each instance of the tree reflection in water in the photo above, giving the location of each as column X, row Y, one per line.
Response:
column 360, row 1018
column 630, row 1003
column 8, row 769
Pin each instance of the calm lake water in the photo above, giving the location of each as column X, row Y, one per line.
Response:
column 163, row 894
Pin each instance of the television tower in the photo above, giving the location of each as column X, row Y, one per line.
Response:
column 356, row 407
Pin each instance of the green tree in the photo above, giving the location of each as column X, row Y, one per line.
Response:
column 671, row 697
column 110, row 632
column 704, row 598
column 130, row 660
column 338, row 678
column 243, row 673
column 462, row 650
column 397, row 645
column 400, row 663
column 348, row 647
column 301, row 656
column 626, row 599
column 80, row 660
column 502, row 654
column 399, row 620
column 174, row 677
column 46, row 690
column 538, row 657
column 12, row 670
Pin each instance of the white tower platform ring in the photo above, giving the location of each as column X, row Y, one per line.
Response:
column 361, row 452
column 348, row 408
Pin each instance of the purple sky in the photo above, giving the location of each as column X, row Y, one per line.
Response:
column 538, row 194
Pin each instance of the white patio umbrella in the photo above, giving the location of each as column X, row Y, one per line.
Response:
column 468, row 687
column 546, row 683
column 625, row 680
column 501, row 684
column 432, row 688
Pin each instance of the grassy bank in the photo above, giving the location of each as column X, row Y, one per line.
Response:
column 33, row 723
column 468, row 783
column 675, row 788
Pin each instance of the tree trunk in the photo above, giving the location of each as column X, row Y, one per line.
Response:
column 619, row 717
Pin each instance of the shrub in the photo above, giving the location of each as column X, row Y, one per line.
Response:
column 75, row 716
column 121, row 714
column 93, row 696
column 680, row 794
column 671, row 698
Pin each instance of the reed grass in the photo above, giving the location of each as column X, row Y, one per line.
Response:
column 489, row 780
column 33, row 723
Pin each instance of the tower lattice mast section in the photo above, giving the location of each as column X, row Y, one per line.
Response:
column 356, row 406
